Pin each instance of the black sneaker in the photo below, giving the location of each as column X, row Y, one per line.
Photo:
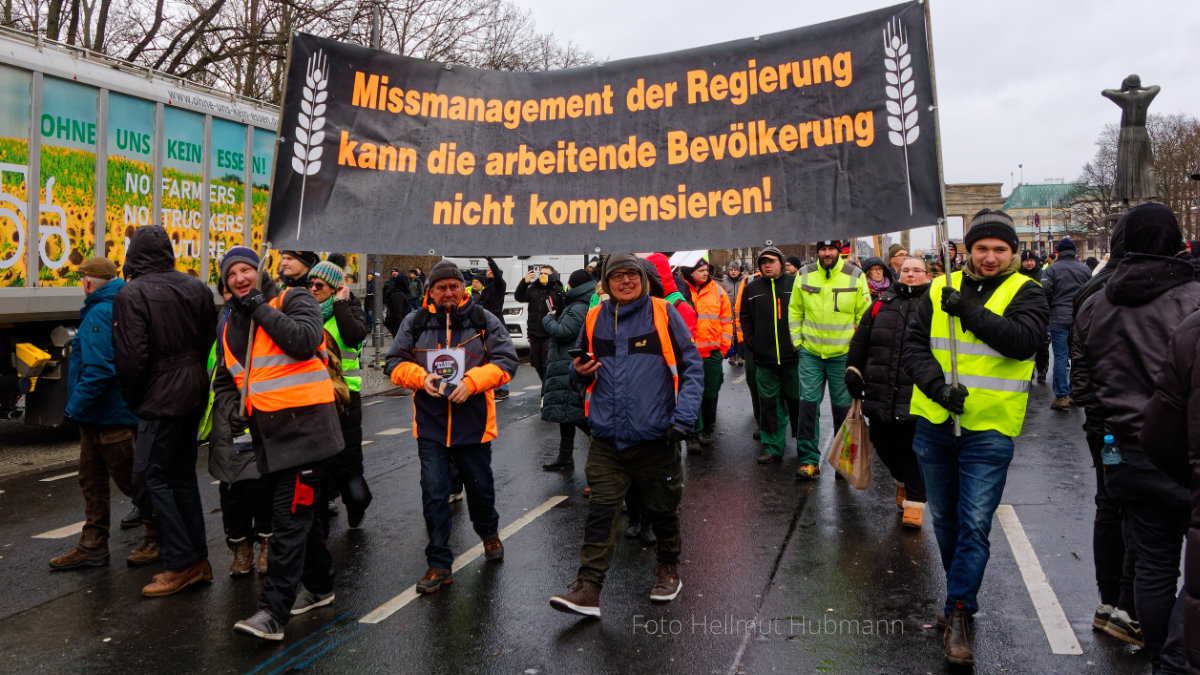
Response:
column 499, row 394
column 132, row 519
column 306, row 601
column 493, row 548
column 757, row 435
column 706, row 440
column 261, row 625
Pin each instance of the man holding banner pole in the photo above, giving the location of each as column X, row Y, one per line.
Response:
column 998, row 317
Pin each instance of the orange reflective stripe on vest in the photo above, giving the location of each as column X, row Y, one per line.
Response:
column 662, row 325
column 277, row 380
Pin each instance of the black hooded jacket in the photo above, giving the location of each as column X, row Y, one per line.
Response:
column 163, row 323
column 1121, row 339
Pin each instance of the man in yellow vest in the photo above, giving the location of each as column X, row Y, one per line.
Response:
column 828, row 299
column 346, row 323
column 999, row 318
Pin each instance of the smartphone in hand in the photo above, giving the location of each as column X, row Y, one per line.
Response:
column 579, row 354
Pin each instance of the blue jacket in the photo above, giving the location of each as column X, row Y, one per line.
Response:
column 634, row 399
column 95, row 391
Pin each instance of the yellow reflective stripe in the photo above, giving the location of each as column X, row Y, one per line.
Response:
column 995, row 383
column 285, row 381
column 831, row 342
column 838, row 327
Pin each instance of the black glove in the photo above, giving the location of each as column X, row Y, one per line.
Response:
column 675, row 435
column 251, row 301
column 952, row 397
column 855, row 384
column 955, row 303
column 238, row 423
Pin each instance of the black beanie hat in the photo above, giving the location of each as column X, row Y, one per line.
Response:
column 989, row 224
column 1066, row 246
column 1028, row 255
column 1151, row 228
column 444, row 269
column 830, row 242
column 579, row 278
column 795, row 261
column 309, row 258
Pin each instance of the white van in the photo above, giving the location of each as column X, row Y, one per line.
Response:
column 514, row 269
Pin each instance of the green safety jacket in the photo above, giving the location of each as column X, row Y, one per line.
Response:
column 350, row 356
column 825, row 308
column 998, row 386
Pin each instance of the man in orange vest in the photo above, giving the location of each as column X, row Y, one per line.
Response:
column 453, row 354
column 289, row 408
column 644, row 381
column 714, row 334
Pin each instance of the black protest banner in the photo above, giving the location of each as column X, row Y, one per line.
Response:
column 819, row 132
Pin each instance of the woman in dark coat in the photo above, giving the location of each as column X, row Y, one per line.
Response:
column 874, row 375
column 561, row 403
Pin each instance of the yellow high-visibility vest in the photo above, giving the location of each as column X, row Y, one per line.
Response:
column 998, row 386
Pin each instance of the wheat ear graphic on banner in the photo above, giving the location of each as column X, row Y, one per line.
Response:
column 901, row 101
column 310, row 125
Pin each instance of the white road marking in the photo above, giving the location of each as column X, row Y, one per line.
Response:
column 372, row 403
column 517, row 393
column 532, row 387
column 367, row 442
column 739, row 379
column 392, row 432
column 1058, row 629
column 409, row 594
column 54, row 478
column 62, row 532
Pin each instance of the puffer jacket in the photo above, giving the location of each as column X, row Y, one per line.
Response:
column 489, row 363
column 163, row 323
column 95, row 396
column 561, row 402
column 875, row 352
column 1121, row 337
column 1062, row 281
column 634, row 399
column 292, row 436
column 1171, row 437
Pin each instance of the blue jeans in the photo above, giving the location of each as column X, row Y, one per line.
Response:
column 1059, row 332
column 474, row 463
column 964, row 480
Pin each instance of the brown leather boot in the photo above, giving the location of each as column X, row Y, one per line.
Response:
column 584, row 599
column 957, row 644
column 243, row 558
column 263, row 545
column 145, row 554
column 173, row 581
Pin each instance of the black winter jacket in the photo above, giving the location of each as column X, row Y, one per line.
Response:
column 875, row 351
column 293, row 436
column 1171, row 437
column 163, row 322
column 397, row 307
column 536, row 295
column 1062, row 281
column 764, row 316
column 560, row 401
column 1016, row 334
column 491, row 297
column 1121, row 340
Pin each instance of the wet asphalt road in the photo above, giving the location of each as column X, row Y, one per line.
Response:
column 777, row 575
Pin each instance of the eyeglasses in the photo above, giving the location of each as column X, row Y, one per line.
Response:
column 625, row 276
column 316, row 285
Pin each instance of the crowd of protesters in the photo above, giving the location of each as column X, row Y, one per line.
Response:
column 941, row 354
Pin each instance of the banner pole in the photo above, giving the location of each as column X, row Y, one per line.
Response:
column 943, row 228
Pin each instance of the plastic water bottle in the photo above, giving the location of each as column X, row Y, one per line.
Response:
column 1110, row 454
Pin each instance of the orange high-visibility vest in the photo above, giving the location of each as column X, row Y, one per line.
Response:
column 278, row 381
column 661, row 324
column 714, row 319
column 737, row 306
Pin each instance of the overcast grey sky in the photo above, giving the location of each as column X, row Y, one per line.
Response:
column 1018, row 80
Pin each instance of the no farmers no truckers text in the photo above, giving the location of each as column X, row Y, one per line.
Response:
column 730, row 197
